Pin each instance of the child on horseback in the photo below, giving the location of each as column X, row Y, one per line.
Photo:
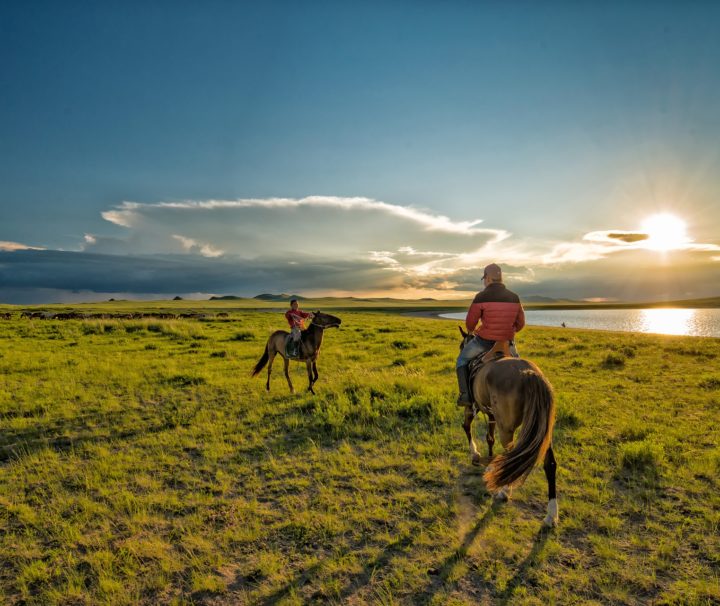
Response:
column 296, row 319
column 501, row 314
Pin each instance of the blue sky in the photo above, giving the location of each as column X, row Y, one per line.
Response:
column 384, row 127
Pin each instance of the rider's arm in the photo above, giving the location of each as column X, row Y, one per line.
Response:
column 519, row 319
column 473, row 316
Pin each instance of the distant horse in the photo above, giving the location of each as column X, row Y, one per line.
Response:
column 514, row 392
column 310, row 342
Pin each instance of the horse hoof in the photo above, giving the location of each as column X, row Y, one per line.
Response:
column 485, row 460
column 477, row 460
column 501, row 497
column 552, row 517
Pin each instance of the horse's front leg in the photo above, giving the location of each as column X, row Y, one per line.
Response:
column 467, row 426
column 550, row 466
column 287, row 375
column 315, row 372
column 310, row 376
column 490, row 436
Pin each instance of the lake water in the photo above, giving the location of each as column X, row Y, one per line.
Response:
column 692, row 322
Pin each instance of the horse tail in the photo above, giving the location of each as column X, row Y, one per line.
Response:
column 513, row 467
column 261, row 362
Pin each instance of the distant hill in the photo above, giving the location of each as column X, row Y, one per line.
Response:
column 541, row 299
column 280, row 297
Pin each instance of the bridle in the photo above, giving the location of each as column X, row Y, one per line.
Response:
column 324, row 326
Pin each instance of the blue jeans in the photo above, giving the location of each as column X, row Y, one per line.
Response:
column 478, row 346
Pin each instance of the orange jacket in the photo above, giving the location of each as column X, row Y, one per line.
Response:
column 500, row 312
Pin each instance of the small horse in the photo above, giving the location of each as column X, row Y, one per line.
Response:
column 515, row 392
column 310, row 342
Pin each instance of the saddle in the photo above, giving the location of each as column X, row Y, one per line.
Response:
column 500, row 350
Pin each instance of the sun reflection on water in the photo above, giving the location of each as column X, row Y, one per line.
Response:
column 667, row 321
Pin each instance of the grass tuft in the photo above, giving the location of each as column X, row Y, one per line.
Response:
column 613, row 361
column 643, row 458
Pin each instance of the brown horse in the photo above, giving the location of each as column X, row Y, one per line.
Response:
column 516, row 393
column 310, row 342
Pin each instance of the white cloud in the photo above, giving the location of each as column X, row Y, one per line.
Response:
column 190, row 245
column 126, row 214
column 407, row 247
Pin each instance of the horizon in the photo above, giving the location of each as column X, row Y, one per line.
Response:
column 376, row 151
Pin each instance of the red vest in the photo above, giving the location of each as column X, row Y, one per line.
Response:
column 500, row 312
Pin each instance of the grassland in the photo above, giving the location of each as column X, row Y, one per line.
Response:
column 141, row 464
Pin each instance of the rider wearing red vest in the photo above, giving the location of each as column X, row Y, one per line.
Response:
column 296, row 319
column 501, row 315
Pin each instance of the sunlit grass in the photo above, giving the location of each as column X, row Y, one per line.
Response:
column 142, row 464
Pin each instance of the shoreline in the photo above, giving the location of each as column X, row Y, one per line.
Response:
column 434, row 314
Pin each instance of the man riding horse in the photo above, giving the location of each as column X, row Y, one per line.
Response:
column 501, row 315
column 296, row 319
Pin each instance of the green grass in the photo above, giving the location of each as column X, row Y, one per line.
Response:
column 142, row 464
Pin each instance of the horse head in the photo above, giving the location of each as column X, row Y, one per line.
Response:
column 323, row 320
column 466, row 337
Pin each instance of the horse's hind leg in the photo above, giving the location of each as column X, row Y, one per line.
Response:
column 287, row 375
column 315, row 372
column 467, row 426
column 271, row 359
column 550, row 467
column 506, row 439
column 310, row 377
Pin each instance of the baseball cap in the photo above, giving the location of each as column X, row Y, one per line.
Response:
column 493, row 271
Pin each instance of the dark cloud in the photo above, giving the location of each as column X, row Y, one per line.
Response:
column 627, row 237
column 169, row 274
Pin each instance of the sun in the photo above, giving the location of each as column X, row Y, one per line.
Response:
column 665, row 232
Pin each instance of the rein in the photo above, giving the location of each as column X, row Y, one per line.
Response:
column 333, row 325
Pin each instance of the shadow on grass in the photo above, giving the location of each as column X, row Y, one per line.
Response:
column 506, row 597
column 354, row 582
column 63, row 435
column 445, row 568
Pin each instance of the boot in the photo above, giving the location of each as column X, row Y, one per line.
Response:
column 462, row 377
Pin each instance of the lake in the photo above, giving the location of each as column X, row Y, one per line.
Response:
column 691, row 322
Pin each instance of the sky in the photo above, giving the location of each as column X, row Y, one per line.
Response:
column 154, row 149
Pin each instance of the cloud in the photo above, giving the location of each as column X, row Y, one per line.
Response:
column 323, row 244
column 358, row 229
column 190, row 245
column 127, row 213
column 10, row 246
column 627, row 236
column 168, row 274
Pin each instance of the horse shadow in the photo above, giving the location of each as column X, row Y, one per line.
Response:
column 506, row 597
column 443, row 570
column 472, row 480
column 354, row 583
